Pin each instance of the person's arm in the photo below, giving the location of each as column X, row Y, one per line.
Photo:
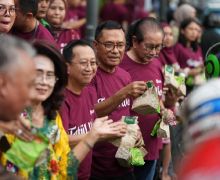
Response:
column 74, row 24
column 166, row 161
column 133, row 89
column 75, row 139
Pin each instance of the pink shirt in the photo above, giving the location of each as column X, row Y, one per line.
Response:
column 106, row 84
column 77, row 113
column 187, row 57
column 146, row 72
column 167, row 56
column 120, row 12
column 40, row 32
column 64, row 37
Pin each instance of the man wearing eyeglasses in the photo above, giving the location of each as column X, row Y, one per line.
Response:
column 114, row 90
column 146, row 41
column 77, row 110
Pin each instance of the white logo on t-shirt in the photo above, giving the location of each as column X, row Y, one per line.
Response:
column 82, row 129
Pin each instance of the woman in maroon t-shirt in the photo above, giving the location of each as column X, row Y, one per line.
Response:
column 55, row 17
column 188, row 51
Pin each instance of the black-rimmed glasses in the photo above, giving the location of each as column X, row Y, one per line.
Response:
column 151, row 47
column 109, row 46
column 4, row 9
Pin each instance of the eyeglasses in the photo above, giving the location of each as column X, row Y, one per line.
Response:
column 151, row 47
column 85, row 64
column 4, row 9
column 49, row 77
column 109, row 46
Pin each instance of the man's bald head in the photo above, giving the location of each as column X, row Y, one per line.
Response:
column 144, row 26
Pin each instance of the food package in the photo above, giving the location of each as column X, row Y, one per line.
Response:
column 176, row 82
column 161, row 129
column 147, row 103
column 126, row 143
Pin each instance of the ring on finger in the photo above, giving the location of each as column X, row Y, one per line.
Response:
column 19, row 132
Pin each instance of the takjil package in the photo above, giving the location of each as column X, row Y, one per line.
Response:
column 147, row 103
column 176, row 82
column 161, row 129
column 126, row 143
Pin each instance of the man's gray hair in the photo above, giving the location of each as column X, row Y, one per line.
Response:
column 10, row 48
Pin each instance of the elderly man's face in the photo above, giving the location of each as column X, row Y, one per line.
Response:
column 110, row 47
column 150, row 47
column 16, row 86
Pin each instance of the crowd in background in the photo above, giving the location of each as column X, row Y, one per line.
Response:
column 62, row 98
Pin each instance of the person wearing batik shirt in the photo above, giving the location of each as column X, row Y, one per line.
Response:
column 77, row 110
column 26, row 25
column 140, row 61
column 114, row 90
column 55, row 17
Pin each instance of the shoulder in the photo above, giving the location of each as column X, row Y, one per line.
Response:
column 43, row 33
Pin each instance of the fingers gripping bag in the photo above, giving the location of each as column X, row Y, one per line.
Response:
column 125, row 154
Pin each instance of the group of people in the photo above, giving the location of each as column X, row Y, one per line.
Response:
column 70, row 95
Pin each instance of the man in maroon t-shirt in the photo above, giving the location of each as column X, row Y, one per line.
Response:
column 114, row 89
column 140, row 62
column 27, row 26
column 77, row 110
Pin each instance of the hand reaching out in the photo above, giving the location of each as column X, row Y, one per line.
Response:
column 105, row 128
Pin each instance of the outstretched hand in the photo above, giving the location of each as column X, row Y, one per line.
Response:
column 105, row 128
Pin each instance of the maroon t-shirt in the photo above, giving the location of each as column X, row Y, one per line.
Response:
column 75, row 14
column 65, row 36
column 167, row 56
column 115, row 12
column 106, row 84
column 77, row 113
column 187, row 57
column 147, row 72
column 40, row 32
